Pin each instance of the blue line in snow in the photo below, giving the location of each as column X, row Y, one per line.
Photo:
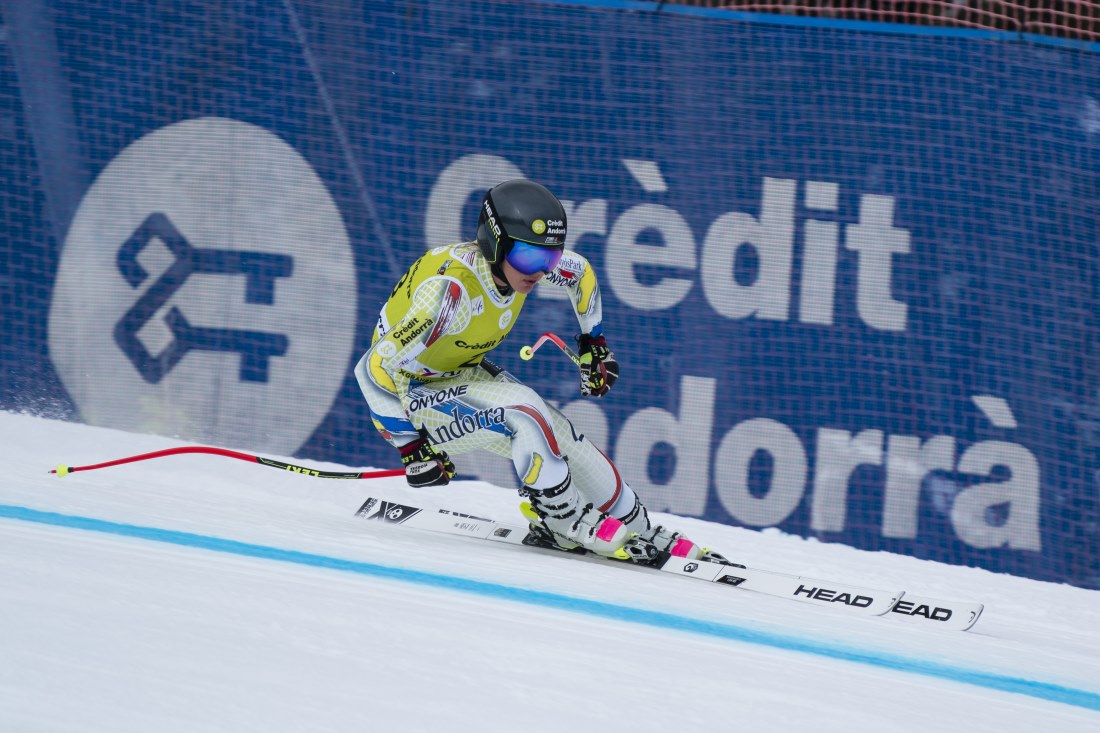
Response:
column 1032, row 688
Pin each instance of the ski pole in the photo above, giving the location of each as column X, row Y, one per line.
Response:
column 529, row 351
column 63, row 470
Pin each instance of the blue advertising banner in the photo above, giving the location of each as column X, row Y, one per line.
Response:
column 850, row 271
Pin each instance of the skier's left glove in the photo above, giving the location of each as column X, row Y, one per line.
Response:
column 425, row 465
column 599, row 370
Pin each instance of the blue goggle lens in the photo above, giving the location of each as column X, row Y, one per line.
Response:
column 531, row 258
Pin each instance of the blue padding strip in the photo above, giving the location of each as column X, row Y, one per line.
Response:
column 809, row 21
column 610, row 611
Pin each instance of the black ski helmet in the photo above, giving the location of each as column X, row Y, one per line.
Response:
column 519, row 209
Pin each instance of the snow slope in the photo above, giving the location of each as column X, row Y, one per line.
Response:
column 199, row 593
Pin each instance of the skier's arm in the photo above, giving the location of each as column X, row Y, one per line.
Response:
column 397, row 357
column 599, row 369
column 578, row 277
column 395, row 361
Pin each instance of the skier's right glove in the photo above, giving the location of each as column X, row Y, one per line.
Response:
column 424, row 465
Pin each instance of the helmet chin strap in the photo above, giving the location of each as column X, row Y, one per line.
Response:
column 497, row 268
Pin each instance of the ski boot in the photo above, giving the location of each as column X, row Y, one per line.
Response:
column 558, row 514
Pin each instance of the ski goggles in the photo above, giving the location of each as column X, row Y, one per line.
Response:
column 531, row 258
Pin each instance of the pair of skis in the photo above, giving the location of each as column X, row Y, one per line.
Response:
column 856, row 599
column 851, row 598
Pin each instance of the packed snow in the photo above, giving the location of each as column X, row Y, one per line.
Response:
column 200, row 593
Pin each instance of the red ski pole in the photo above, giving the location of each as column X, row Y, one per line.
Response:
column 63, row 470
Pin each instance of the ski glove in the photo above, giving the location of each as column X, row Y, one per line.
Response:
column 599, row 370
column 424, row 465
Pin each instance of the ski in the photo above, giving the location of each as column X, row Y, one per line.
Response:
column 841, row 595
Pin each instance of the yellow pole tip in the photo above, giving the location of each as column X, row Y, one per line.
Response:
column 525, row 353
column 62, row 470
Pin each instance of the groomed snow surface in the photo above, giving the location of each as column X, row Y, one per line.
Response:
column 200, row 593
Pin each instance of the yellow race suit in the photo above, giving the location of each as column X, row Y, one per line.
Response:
column 425, row 370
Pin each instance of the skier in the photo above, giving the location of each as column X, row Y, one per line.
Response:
column 431, row 391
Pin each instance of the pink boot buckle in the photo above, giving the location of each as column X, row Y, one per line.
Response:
column 607, row 530
column 682, row 548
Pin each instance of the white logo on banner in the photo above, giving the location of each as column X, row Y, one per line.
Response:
column 206, row 290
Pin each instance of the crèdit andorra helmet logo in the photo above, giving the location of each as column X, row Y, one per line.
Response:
column 206, row 290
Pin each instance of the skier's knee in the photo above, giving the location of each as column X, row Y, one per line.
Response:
column 540, row 470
